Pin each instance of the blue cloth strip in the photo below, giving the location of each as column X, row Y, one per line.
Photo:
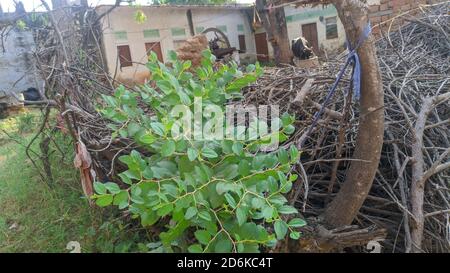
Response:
column 352, row 58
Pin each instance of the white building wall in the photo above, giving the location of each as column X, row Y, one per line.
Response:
column 296, row 17
column 229, row 18
column 164, row 19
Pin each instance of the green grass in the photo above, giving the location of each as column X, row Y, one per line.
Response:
column 37, row 218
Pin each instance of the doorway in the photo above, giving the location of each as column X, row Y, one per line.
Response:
column 309, row 32
column 155, row 47
column 262, row 48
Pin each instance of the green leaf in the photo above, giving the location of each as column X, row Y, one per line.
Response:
column 125, row 178
column 99, row 187
column 195, row 248
column 172, row 55
column 192, row 154
column 204, row 215
column 258, row 162
column 297, row 222
column 278, row 199
column 166, row 209
column 286, row 119
column 187, row 64
column 257, row 202
column 237, row 148
column 165, row 86
column 121, row 199
column 286, row 187
column 112, row 187
column 287, row 210
column 104, row 200
column 283, row 156
column 295, row 235
column 133, row 128
column 240, row 83
column 185, row 99
column 153, row 57
column 209, row 153
column 230, row 200
column 147, row 173
column 267, row 212
column 241, row 215
column 168, row 148
column 229, row 172
column 127, row 159
column 223, row 187
column 158, row 128
column 223, row 246
column 147, row 139
column 244, row 168
column 190, row 212
column 294, row 153
column 148, row 218
column 281, row 229
column 202, row 236
column 289, row 129
column 170, row 189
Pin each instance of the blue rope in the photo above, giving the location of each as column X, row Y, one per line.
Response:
column 352, row 59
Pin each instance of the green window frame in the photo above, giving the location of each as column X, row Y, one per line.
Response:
column 331, row 28
column 178, row 31
column 199, row 29
column 222, row 28
column 151, row 33
column 121, row 35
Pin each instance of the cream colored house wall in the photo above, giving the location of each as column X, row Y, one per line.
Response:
column 122, row 19
column 296, row 17
column 164, row 19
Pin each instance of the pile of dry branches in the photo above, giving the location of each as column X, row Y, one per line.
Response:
column 410, row 196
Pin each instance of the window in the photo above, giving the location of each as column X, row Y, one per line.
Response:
column 199, row 29
column 222, row 28
column 121, row 35
column 331, row 27
column 124, row 55
column 240, row 28
column 242, row 45
column 151, row 33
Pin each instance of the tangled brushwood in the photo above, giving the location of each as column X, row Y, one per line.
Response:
column 410, row 196
column 407, row 208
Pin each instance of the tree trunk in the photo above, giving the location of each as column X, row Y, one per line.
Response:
column 274, row 22
column 419, row 174
column 345, row 206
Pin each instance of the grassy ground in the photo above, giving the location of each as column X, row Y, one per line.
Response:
column 37, row 218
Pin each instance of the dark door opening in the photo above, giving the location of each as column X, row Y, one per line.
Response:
column 124, row 55
column 242, row 45
column 155, row 47
column 262, row 48
column 309, row 32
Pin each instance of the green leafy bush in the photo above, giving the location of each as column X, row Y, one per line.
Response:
column 209, row 195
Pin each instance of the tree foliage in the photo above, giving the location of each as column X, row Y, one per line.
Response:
column 214, row 195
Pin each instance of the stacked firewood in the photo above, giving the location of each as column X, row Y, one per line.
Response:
column 410, row 197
